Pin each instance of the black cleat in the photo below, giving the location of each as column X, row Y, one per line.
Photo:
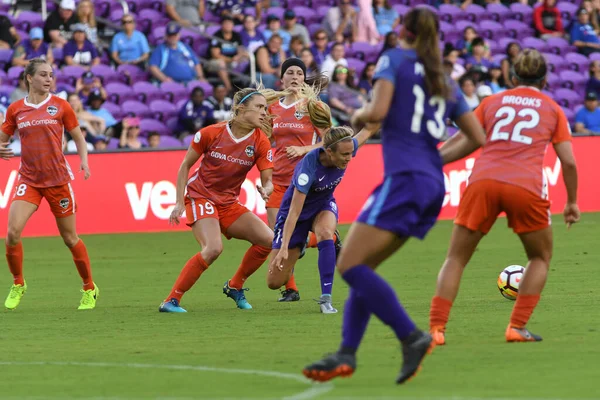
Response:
column 338, row 244
column 331, row 366
column 414, row 350
column 289, row 295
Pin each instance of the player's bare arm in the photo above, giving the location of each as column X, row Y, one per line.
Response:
column 79, row 140
column 377, row 109
column 466, row 141
column 191, row 157
column 5, row 152
column 266, row 180
column 299, row 151
column 288, row 228
column 564, row 151
column 367, row 132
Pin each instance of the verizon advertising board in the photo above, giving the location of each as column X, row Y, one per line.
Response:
column 135, row 192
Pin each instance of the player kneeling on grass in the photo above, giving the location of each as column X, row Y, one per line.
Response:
column 309, row 205
column 229, row 150
column 41, row 119
column 508, row 177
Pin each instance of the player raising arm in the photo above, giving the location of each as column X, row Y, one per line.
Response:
column 508, row 177
column 41, row 118
column 413, row 98
column 229, row 150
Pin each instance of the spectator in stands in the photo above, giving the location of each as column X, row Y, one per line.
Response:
column 130, row 46
column 94, row 125
column 365, row 85
column 583, row 35
column 252, row 38
column 484, row 91
column 225, row 53
column 235, row 8
column 88, row 83
column 478, row 55
column 9, row 36
column 309, row 60
column 15, row 143
column 341, row 22
column 87, row 17
column 186, row 12
column 467, row 85
column 547, row 20
column 195, row 114
column 593, row 84
column 57, row 29
column 296, row 47
column 34, row 47
column 130, row 136
column 153, row 140
column 343, row 94
column 293, row 28
column 512, row 51
column 60, row 92
column 336, row 57
column 593, row 13
column 386, row 18
column 95, row 101
column 20, row 91
column 221, row 103
column 366, row 28
column 79, row 50
column 391, row 41
column 72, row 147
column 173, row 60
column 451, row 56
column 496, row 81
column 268, row 61
column 320, row 49
column 587, row 120
column 274, row 28
column 101, row 143
column 464, row 44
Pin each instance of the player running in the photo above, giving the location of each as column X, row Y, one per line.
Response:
column 308, row 205
column 413, row 98
column 508, row 177
column 295, row 135
column 41, row 118
column 229, row 150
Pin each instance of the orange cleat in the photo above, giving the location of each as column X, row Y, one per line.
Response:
column 438, row 333
column 514, row 334
column 332, row 366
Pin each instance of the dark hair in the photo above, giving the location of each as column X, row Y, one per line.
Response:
column 313, row 66
column 319, row 31
column 463, row 79
column 275, row 36
column 386, row 5
column 386, row 46
column 349, row 76
column 152, row 133
column 478, row 41
column 508, row 46
column 197, row 90
column 336, row 44
column 421, row 28
column 530, row 68
column 32, row 68
column 363, row 76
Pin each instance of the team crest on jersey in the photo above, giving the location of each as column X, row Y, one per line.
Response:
column 299, row 115
column 250, row 151
column 52, row 110
column 270, row 155
column 64, row 203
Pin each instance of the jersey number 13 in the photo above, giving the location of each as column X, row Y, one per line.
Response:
column 436, row 128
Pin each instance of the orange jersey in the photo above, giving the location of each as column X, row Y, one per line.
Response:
column 519, row 124
column 290, row 128
column 226, row 161
column 41, row 128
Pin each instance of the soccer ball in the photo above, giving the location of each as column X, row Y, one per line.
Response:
column 509, row 279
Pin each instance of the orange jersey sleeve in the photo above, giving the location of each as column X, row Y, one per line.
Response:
column 562, row 133
column 264, row 153
column 479, row 111
column 10, row 122
column 204, row 137
column 69, row 118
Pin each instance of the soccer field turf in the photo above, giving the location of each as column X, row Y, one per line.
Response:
column 125, row 349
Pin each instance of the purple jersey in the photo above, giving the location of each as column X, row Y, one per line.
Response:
column 416, row 121
column 82, row 56
column 316, row 181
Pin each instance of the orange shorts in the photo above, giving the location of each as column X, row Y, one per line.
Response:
column 484, row 200
column 277, row 196
column 200, row 208
column 60, row 198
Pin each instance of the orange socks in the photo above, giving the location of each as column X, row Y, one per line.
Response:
column 14, row 257
column 291, row 284
column 254, row 258
column 523, row 309
column 188, row 276
column 440, row 312
column 82, row 262
column 312, row 240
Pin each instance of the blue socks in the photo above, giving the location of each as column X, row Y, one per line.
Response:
column 326, row 265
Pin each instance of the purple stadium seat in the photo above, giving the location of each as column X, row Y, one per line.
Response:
column 212, row 29
column 112, row 144
column 312, row 28
column 73, row 71
column 449, row 33
column 556, row 63
column 158, row 5
column 357, row 65
column 499, row 12
column 116, row 14
column 517, row 29
column 498, row 58
column 180, row 103
column 119, row 93
column 401, row 9
column 535, row 43
column 187, row 140
column 147, row 18
column 476, row 13
column 112, row 107
column 131, row 73
column 28, row 19
column 558, row 45
column 157, row 35
column 491, row 29
column 172, row 90
column 7, row 88
column 190, row 37
column 362, row 50
column 172, row 124
column 58, row 55
column 148, row 125
column 578, row 62
column 5, row 58
column 147, row 92
column 567, row 98
column 201, row 48
column 249, row 11
column 451, row 13
column 595, row 56
column 163, row 109
column 105, row 73
column 462, row 25
column 553, row 81
column 208, row 89
column 504, row 42
column 573, row 80
column 169, row 142
column 136, row 108
column 306, row 15
column 567, row 11
column 210, row 17
column 3, row 75
column 570, row 115
column 276, row 11
column 522, row 12
column 13, row 74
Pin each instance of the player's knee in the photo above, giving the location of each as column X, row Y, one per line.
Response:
column 70, row 239
column 212, row 252
column 275, row 280
column 13, row 236
column 324, row 233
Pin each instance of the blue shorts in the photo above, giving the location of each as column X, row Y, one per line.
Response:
column 298, row 239
column 405, row 204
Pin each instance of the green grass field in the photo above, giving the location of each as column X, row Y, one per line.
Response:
column 125, row 349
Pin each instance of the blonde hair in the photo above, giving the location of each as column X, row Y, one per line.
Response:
column 336, row 135
column 31, row 69
column 244, row 96
column 92, row 15
column 530, row 68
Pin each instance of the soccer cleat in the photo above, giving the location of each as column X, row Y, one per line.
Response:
column 438, row 333
column 414, row 349
column 303, row 249
column 338, row 244
column 171, row 306
column 15, row 295
column 325, row 305
column 331, row 366
column 514, row 334
column 237, row 296
column 88, row 300
column 289, row 295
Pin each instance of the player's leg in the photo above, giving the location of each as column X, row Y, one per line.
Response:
column 276, row 277
column 246, row 226
column 324, row 227
column 19, row 213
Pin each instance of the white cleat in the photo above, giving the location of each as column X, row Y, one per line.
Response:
column 325, row 305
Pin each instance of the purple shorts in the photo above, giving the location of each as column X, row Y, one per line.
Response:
column 300, row 234
column 405, row 204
